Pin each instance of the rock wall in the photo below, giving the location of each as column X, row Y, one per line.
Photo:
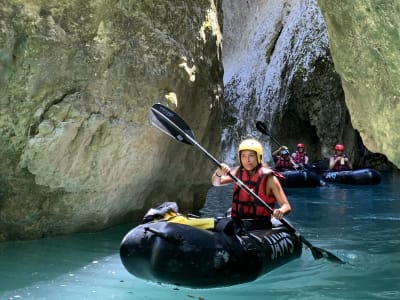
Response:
column 77, row 78
column 365, row 45
column 278, row 69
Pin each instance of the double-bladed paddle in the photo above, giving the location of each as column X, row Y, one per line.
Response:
column 173, row 125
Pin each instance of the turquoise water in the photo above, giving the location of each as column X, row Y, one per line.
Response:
column 359, row 224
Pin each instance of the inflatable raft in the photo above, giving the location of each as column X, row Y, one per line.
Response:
column 301, row 178
column 354, row 177
column 175, row 252
column 318, row 166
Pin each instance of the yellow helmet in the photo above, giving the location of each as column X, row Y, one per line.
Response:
column 254, row 145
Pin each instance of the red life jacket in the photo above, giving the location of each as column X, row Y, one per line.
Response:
column 283, row 164
column 300, row 157
column 340, row 167
column 243, row 204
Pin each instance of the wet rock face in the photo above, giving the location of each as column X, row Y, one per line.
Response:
column 279, row 69
column 284, row 75
column 364, row 42
column 77, row 151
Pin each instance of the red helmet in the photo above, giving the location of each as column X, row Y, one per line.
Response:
column 339, row 147
column 300, row 145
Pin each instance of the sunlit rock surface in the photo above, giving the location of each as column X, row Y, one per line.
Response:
column 365, row 45
column 77, row 79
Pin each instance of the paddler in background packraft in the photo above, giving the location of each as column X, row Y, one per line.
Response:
column 339, row 161
column 283, row 160
column 300, row 157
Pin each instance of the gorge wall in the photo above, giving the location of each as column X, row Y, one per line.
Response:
column 77, row 78
column 365, row 45
column 279, row 69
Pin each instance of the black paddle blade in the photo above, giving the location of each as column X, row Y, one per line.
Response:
column 262, row 127
column 169, row 122
column 318, row 253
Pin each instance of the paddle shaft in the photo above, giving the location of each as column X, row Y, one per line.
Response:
column 263, row 129
column 274, row 140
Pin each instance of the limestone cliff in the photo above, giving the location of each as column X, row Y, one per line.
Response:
column 279, row 69
column 365, row 45
column 284, row 75
column 77, row 80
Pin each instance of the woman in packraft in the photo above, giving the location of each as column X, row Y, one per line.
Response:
column 262, row 180
column 300, row 157
column 339, row 161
